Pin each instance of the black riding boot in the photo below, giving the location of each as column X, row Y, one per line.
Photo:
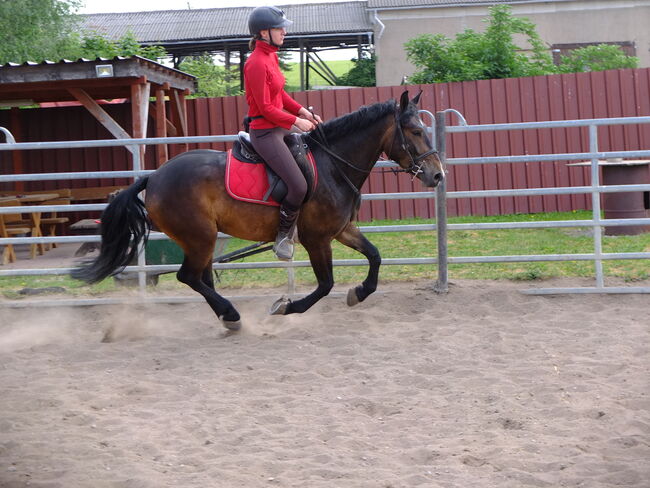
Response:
column 283, row 246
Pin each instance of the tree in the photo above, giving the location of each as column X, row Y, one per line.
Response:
column 362, row 73
column 596, row 58
column 212, row 79
column 476, row 56
column 94, row 45
column 33, row 30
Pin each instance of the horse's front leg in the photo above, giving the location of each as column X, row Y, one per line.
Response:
column 320, row 256
column 352, row 237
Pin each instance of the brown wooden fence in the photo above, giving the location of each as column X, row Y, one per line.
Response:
column 616, row 93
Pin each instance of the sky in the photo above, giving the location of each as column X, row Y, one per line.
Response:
column 101, row 6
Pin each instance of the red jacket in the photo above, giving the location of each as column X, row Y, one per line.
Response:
column 264, row 85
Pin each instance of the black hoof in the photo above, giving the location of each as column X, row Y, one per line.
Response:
column 231, row 317
column 232, row 325
column 280, row 307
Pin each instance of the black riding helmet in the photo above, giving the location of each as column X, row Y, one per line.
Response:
column 262, row 18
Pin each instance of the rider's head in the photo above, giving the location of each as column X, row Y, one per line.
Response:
column 268, row 23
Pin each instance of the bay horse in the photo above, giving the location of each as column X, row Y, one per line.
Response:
column 186, row 199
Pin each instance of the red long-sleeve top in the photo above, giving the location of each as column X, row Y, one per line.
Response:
column 264, row 85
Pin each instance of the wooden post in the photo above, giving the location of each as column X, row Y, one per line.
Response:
column 227, row 66
column 17, row 156
column 139, row 112
column 179, row 113
column 162, row 154
column 242, row 61
column 100, row 114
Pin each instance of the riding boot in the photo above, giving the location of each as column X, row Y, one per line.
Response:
column 283, row 246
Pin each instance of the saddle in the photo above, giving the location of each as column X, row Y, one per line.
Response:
column 250, row 179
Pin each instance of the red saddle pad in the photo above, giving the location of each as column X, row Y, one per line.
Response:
column 249, row 183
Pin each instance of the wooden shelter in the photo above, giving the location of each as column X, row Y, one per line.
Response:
column 87, row 81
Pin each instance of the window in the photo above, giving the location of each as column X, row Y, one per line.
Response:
column 560, row 50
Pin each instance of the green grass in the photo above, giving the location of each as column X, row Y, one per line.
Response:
column 423, row 244
column 293, row 77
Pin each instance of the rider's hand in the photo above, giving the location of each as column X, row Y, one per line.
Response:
column 309, row 115
column 304, row 124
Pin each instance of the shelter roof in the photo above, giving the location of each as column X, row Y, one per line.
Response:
column 49, row 81
column 396, row 4
column 173, row 27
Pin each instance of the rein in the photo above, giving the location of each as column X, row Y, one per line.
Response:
column 325, row 148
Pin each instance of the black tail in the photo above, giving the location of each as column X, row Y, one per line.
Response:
column 124, row 225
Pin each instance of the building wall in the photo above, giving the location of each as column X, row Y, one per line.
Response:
column 577, row 21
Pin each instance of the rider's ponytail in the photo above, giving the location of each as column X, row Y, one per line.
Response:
column 254, row 39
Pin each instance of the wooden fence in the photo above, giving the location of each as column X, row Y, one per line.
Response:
column 615, row 93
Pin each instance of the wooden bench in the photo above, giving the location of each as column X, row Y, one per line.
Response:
column 93, row 193
column 86, row 227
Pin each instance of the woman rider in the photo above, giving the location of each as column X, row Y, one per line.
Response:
column 273, row 113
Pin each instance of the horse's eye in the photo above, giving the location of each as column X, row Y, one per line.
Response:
column 417, row 133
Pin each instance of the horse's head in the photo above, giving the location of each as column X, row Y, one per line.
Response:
column 411, row 146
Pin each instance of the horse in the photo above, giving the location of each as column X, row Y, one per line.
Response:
column 186, row 199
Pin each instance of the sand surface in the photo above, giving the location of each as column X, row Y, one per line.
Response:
column 483, row 387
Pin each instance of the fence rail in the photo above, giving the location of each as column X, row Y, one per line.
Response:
column 441, row 196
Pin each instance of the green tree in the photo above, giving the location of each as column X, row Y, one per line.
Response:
column 34, row 30
column 596, row 58
column 480, row 55
column 212, row 79
column 362, row 72
column 94, row 45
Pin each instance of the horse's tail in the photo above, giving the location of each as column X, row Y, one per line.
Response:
column 124, row 225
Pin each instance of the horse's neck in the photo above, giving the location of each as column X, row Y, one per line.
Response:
column 361, row 149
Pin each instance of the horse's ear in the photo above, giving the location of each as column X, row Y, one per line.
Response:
column 417, row 98
column 404, row 101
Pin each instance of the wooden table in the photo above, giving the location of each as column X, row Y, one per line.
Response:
column 35, row 217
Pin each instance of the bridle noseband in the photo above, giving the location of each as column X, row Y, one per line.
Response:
column 414, row 168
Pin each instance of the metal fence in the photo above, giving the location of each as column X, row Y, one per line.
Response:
column 595, row 189
column 440, row 131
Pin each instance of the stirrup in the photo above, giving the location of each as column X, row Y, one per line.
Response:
column 283, row 248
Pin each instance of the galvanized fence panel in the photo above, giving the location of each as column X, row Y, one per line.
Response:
column 595, row 189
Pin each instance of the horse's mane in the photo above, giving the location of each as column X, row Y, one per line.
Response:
column 346, row 124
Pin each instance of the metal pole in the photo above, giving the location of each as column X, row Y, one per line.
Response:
column 595, row 204
column 142, row 261
column 442, row 285
column 10, row 138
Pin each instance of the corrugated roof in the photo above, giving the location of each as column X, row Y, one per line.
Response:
column 379, row 4
column 179, row 25
column 138, row 59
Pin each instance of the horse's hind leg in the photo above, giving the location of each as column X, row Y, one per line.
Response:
column 197, row 275
column 352, row 237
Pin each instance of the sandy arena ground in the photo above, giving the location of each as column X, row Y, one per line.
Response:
column 483, row 387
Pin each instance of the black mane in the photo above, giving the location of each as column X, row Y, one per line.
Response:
column 346, row 124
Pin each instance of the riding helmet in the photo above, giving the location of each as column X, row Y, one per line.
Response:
column 262, row 18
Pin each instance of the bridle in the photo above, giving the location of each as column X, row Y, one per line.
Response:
column 414, row 168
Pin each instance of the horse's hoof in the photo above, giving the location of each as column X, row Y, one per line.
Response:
column 280, row 307
column 352, row 299
column 232, row 324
